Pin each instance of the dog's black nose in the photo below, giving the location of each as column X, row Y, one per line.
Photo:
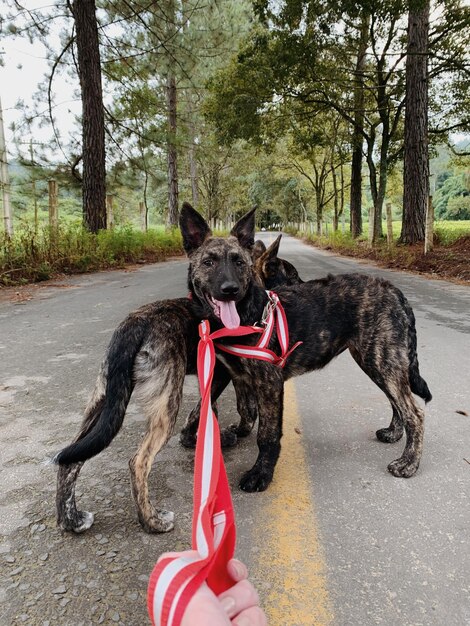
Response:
column 229, row 288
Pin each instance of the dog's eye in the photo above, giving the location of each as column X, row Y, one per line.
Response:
column 239, row 262
column 208, row 262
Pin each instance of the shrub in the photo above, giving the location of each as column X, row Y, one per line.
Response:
column 70, row 248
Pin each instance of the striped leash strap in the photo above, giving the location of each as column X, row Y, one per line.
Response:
column 273, row 317
column 175, row 579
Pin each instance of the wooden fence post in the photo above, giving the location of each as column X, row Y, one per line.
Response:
column 109, row 211
column 5, row 181
column 143, row 216
column 53, row 207
column 371, row 226
column 429, row 230
column 388, row 208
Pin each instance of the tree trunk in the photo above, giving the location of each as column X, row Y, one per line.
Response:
column 358, row 138
column 382, row 187
column 416, row 153
column 89, row 69
column 192, row 152
column 383, row 102
column 193, row 175
column 5, row 181
column 374, row 192
column 335, row 198
column 319, row 210
column 172, row 219
column 341, row 205
column 378, row 181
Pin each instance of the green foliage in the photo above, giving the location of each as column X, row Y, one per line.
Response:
column 452, row 199
column 31, row 257
column 458, row 208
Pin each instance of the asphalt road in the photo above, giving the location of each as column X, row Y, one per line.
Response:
column 335, row 540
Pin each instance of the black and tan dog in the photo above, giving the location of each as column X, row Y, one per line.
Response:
column 271, row 270
column 155, row 347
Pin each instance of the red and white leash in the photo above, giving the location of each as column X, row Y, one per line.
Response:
column 174, row 580
column 273, row 317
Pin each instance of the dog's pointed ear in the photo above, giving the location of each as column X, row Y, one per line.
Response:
column 194, row 228
column 244, row 230
column 273, row 250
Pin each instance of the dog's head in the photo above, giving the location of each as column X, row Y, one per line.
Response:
column 270, row 270
column 220, row 271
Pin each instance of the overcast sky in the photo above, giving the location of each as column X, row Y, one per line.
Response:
column 24, row 66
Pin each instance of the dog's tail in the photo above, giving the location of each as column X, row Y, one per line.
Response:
column 417, row 383
column 104, row 417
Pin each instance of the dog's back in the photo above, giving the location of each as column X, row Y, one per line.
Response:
column 367, row 315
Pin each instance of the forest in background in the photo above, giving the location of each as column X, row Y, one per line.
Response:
column 298, row 107
column 268, row 187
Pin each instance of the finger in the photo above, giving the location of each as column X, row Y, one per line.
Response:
column 254, row 616
column 239, row 597
column 237, row 570
column 204, row 609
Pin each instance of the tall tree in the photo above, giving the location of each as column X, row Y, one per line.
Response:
column 158, row 64
column 355, row 201
column 318, row 67
column 93, row 148
column 416, row 152
column 172, row 30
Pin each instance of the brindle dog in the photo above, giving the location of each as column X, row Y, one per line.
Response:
column 150, row 352
column 368, row 316
column 271, row 272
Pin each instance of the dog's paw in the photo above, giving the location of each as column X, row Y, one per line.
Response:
column 240, row 430
column 228, row 438
column 160, row 522
column 81, row 521
column 254, row 480
column 187, row 439
column 403, row 468
column 389, row 435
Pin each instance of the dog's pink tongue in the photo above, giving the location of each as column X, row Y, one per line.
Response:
column 229, row 314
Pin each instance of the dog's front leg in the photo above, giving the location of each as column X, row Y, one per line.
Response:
column 188, row 432
column 247, row 407
column 269, row 388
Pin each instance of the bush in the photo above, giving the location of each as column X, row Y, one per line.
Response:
column 29, row 256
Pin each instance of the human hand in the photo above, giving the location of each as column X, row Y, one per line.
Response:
column 238, row 606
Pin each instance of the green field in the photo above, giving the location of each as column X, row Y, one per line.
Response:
column 451, row 229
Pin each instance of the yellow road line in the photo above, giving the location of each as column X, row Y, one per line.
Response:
column 291, row 562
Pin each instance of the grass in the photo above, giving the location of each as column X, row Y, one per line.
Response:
column 449, row 258
column 69, row 249
column 449, row 232
column 446, row 233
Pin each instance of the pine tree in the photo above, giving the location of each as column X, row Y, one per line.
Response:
column 416, row 153
column 93, row 147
